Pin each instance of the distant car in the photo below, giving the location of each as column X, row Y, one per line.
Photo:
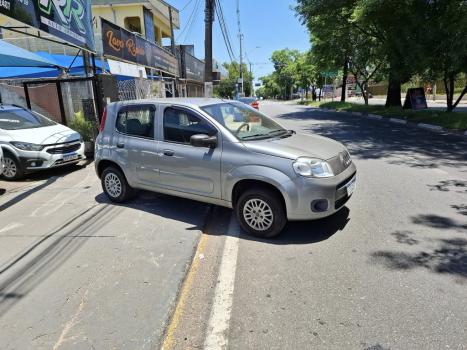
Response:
column 32, row 142
column 226, row 153
column 251, row 101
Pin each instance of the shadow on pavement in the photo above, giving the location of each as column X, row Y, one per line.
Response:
column 218, row 220
column 29, row 268
column 368, row 139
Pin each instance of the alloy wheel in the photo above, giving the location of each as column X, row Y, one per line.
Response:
column 258, row 214
column 113, row 185
column 9, row 168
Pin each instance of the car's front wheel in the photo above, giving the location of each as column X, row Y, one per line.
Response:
column 115, row 185
column 261, row 213
column 11, row 168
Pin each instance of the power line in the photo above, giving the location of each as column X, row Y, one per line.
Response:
column 224, row 30
column 190, row 19
column 187, row 4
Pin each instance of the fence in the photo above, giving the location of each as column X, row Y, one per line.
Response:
column 59, row 100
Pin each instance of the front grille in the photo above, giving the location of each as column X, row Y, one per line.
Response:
column 341, row 192
column 64, row 149
column 340, row 162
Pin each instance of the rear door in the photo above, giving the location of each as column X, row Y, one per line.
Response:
column 185, row 168
column 135, row 126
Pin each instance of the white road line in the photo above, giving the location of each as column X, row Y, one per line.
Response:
column 219, row 320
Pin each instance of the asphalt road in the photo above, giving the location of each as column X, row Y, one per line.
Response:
column 389, row 271
column 77, row 272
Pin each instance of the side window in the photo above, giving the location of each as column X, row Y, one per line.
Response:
column 180, row 125
column 136, row 121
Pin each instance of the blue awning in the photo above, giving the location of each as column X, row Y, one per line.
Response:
column 13, row 56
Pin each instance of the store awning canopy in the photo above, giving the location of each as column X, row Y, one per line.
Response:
column 13, row 56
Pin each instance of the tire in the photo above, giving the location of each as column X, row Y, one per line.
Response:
column 261, row 213
column 11, row 168
column 115, row 186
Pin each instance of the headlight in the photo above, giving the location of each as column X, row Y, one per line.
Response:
column 27, row 146
column 312, row 167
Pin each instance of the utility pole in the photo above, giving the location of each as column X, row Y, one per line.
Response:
column 208, row 20
column 240, row 36
column 172, row 38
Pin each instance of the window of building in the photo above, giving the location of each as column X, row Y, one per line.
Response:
column 133, row 24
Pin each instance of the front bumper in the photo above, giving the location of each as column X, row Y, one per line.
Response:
column 51, row 157
column 330, row 193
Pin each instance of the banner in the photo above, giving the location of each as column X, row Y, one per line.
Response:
column 194, row 68
column 69, row 20
column 124, row 45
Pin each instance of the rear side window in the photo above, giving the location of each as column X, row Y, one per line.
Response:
column 180, row 125
column 136, row 121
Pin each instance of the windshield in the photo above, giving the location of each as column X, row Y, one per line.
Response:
column 244, row 122
column 17, row 119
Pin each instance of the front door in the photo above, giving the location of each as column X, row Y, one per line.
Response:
column 183, row 167
column 135, row 127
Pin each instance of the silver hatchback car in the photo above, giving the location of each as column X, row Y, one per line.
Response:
column 225, row 153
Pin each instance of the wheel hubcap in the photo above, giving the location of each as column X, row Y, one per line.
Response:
column 9, row 168
column 258, row 214
column 113, row 185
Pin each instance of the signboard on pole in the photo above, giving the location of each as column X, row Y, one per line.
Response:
column 126, row 46
column 69, row 20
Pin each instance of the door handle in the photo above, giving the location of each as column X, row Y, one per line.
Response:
column 120, row 145
column 168, row 153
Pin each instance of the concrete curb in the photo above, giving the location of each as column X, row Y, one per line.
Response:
column 429, row 127
column 398, row 121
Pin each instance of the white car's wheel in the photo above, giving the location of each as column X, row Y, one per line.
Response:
column 11, row 168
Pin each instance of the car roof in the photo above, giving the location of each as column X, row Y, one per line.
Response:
column 186, row 101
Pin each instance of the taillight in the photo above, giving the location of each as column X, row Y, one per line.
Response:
column 104, row 117
column 255, row 104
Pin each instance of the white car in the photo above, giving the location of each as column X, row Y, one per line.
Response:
column 32, row 142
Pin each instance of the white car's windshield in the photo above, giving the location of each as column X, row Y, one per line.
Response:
column 16, row 119
column 244, row 122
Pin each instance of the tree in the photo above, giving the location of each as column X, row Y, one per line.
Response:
column 448, row 58
column 330, row 27
column 227, row 87
column 285, row 69
column 305, row 71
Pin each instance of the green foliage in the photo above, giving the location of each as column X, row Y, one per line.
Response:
column 227, row 87
column 448, row 120
column 83, row 126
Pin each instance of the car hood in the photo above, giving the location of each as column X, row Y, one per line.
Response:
column 297, row 145
column 47, row 135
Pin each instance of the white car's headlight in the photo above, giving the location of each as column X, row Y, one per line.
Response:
column 312, row 167
column 27, row 146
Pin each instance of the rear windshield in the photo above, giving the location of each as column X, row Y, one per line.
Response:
column 17, row 119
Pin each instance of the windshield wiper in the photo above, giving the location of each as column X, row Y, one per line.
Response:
column 276, row 131
column 255, row 135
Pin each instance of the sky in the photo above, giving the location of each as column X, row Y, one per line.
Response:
column 267, row 24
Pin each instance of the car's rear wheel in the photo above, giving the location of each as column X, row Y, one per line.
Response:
column 261, row 213
column 115, row 185
column 11, row 168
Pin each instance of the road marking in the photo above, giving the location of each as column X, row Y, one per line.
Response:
column 219, row 320
column 184, row 293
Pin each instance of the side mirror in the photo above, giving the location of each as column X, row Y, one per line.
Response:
column 203, row 140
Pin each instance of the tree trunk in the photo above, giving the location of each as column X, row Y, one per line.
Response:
column 458, row 99
column 344, row 80
column 449, row 87
column 393, row 98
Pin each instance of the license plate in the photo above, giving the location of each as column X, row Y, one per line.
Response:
column 351, row 186
column 70, row 157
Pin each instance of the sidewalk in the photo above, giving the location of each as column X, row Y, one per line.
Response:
column 439, row 104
